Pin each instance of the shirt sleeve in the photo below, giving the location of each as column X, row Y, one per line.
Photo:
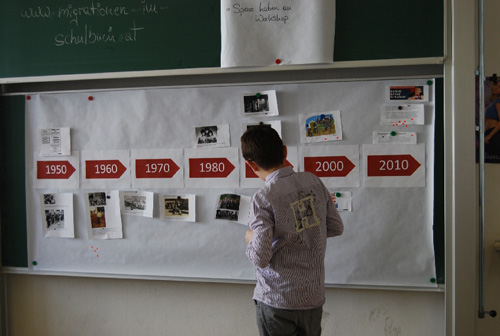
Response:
column 259, row 249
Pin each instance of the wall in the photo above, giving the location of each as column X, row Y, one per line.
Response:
column 488, row 325
column 46, row 305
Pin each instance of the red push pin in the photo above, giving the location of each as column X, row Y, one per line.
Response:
column 91, row 98
column 28, row 97
column 277, row 61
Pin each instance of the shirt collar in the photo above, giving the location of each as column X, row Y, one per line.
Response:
column 282, row 172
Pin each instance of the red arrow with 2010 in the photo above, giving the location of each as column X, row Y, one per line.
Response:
column 392, row 165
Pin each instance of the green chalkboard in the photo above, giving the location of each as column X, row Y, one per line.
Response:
column 12, row 183
column 56, row 37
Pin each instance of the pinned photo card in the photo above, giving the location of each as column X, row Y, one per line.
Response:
column 178, row 207
column 211, row 136
column 57, row 215
column 103, row 213
column 233, row 207
column 276, row 124
column 54, row 141
column 393, row 137
column 138, row 203
column 57, row 172
column 402, row 115
column 157, row 168
column 320, row 127
column 342, row 200
column 413, row 94
column 259, row 104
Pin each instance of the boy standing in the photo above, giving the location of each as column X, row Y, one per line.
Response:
column 290, row 219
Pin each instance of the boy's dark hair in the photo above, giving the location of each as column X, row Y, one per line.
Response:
column 262, row 145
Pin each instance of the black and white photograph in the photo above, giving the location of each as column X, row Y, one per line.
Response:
column 135, row 202
column 54, row 219
column 233, row 207
column 211, row 136
column 57, row 215
column 97, row 198
column 259, row 103
column 138, row 203
column 178, row 207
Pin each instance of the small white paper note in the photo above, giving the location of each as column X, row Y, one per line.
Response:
column 402, row 115
column 138, row 203
column 407, row 138
column 54, row 141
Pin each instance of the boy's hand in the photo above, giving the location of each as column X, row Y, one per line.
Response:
column 248, row 236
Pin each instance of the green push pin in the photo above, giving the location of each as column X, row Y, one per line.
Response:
column 338, row 194
column 433, row 280
column 257, row 95
column 393, row 133
column 429, row 82
column 34, row 263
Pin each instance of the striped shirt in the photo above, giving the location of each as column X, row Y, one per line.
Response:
column 291, row 217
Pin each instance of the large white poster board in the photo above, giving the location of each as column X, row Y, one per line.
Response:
column 388, row 238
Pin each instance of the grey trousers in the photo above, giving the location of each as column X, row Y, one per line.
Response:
column 281, row 322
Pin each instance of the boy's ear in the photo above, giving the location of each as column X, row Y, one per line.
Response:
column 285, row 151
column 252, row 165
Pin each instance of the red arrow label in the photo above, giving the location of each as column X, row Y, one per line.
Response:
column 104, row 169
column 54, row 170
column 210, row 168
column 155, row 168
column 250, row 174
column 392, row 165
column 328, row 166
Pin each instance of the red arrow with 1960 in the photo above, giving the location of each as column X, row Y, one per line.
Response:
column 104, row 169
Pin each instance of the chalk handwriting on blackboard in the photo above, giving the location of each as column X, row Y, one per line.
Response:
column 265, row 12
column 81, row 32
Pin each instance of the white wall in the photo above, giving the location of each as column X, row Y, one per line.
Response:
column 47, row 305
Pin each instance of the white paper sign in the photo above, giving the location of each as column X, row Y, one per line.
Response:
column 54, row 141
column 57, row 172
column 407, row 138
column 212, row 168
column 394, row 165
column 342, row 200
column 337, row 166
column 106, row 169
column 402, row 115
column 157, row 168
column 276, row 32
column 57, row 215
